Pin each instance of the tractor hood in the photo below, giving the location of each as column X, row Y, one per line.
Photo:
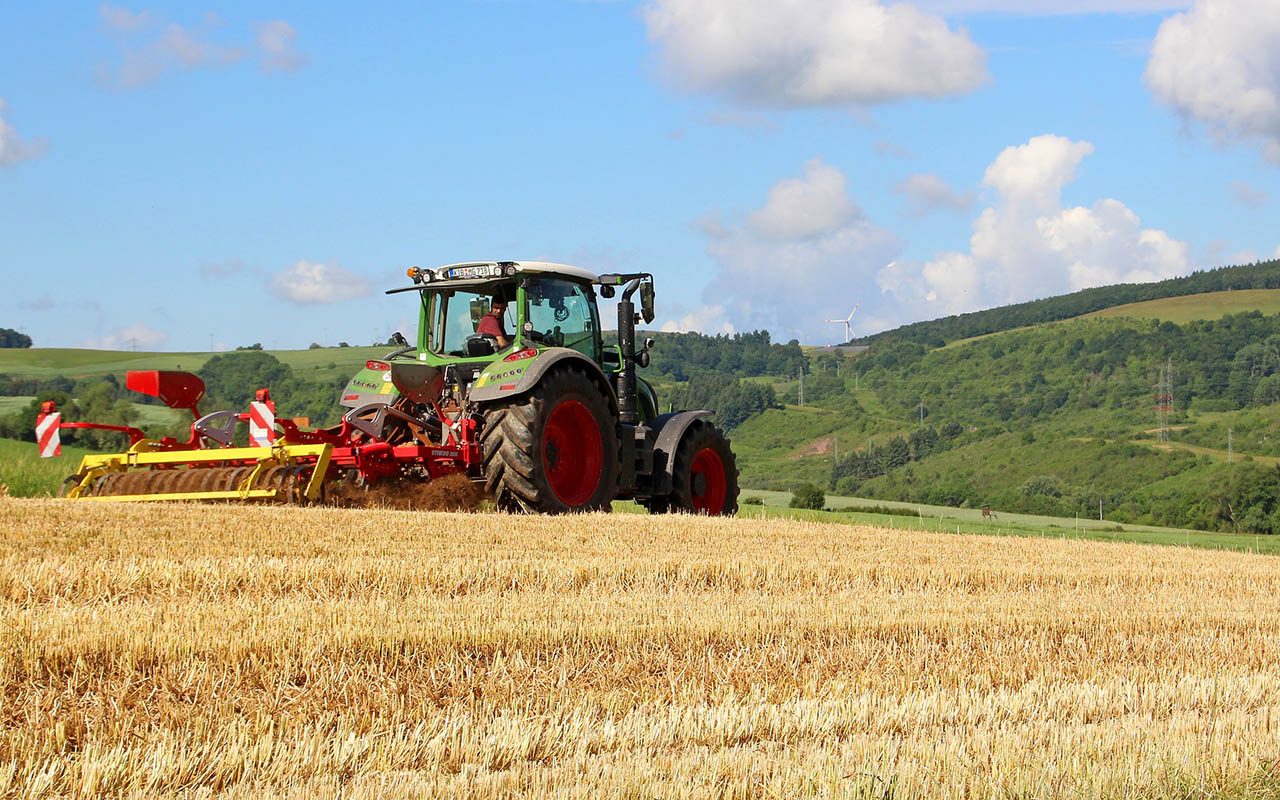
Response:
column 370, row 385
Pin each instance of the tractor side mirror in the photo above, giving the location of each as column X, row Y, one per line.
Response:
column 607, row 291
column 646, row 301
column 642, row 358
column 397, row 338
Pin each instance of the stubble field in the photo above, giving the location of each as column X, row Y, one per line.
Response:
column 161, row 650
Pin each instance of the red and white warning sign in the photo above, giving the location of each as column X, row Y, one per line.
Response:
column 262, row 424
column 47, row 434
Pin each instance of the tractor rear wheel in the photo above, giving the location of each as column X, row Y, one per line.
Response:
column 704, row 474
column 554, row 450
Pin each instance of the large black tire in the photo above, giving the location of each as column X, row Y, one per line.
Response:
column 553, row 450
column 704, row 475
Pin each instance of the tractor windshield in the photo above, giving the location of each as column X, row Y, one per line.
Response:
column 458, row 314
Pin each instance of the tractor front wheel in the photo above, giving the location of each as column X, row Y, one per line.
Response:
column 704, row 474
column 553, row 450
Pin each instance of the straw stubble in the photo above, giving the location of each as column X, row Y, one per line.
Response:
column 248, row 651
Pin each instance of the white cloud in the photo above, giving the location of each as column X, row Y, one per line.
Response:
column 13, row 150
column 275, row 41
column 1026, row 245
column 811, row 205
column 929, row 192
column 138, row 336
column 1035, row 172
column 1049, row 7
column 1247, row 194
column 44, row 302
column 804, row 53
column 1219, row 63
column 806, row 255
column 1276, row 254
column 1245, row 256
column 122, row 19
column 222, row 269
column 705, row 319
column 314, row 284
column 175, row 49
column 151, row 48
column 884, row 147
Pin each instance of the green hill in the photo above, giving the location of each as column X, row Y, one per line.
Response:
column 935, row 333
column 1051, row 419
column 1210, row 305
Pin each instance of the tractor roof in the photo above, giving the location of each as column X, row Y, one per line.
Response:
column 478, row 273
column 531, row 266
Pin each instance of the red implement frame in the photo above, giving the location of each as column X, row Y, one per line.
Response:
column 353, row 446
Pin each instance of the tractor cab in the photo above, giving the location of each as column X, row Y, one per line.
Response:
column 481, row 310
column 483, row 325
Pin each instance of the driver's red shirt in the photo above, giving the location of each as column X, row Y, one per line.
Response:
column 491, row 325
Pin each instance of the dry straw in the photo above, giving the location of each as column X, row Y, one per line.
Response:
column 161, row 650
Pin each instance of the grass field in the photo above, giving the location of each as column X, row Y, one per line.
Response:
column 319, row 364
column 24, row 473
column 154, row 420
column 162, row 651
column 942, row 519
column 1211, row 305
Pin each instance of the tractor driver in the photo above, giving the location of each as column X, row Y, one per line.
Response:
column 491, row 324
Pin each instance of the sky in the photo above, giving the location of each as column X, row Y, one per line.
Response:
column 202, row 176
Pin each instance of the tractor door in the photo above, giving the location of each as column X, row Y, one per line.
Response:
column 562, row 313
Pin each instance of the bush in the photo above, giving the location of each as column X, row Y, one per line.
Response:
column 11, row 338
column 753, row 500
column 887, row 511
column 806, row 495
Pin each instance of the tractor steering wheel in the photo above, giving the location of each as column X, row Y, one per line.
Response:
column 554, row 337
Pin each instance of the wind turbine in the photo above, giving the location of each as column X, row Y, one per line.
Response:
column 848, row 329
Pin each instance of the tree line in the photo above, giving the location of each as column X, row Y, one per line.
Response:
column 680, row 356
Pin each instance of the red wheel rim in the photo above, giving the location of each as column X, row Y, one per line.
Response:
column 708, row 483
column 572, row 453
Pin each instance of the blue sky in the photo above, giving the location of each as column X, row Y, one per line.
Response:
column 176, row 176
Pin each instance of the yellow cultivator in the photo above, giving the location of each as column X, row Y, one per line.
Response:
column 374, row 442
column 283, row 472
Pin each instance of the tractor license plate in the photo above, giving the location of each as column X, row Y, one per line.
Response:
column 473, row 272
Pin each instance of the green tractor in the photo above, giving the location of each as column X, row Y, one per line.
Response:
column 512, row 382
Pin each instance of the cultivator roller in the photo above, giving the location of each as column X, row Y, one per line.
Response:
column 282, row 473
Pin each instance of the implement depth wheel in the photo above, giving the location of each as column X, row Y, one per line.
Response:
column 704, row 474
column 553, row 450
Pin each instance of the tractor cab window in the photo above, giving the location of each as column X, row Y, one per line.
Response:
column 458, row 315
column 562, row 313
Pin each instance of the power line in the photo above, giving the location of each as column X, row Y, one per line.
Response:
column 1164, row 399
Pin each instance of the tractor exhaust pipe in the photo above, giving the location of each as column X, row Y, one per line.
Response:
column 627, row 412
column 625, row 382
